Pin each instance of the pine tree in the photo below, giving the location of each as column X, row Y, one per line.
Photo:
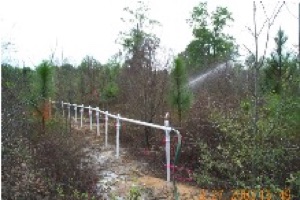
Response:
column 180, row 94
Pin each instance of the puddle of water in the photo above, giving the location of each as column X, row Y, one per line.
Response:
column 108, row 175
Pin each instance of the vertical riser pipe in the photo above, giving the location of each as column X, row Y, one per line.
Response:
column 91, row 118
column 117, row 136
column 75, row 110
column 97, row 118
column 62, row 107
column 81, row 115
column 50, row 108
column 106, row 128
column 168, row 156
column 69, row 111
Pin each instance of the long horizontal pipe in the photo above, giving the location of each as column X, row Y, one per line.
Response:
column 123, row 118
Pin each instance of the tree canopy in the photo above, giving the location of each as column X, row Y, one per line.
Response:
column 211, row 44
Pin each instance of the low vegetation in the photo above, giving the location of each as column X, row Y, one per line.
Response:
column 240, row 126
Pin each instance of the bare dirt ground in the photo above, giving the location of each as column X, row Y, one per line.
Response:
column 125, row 177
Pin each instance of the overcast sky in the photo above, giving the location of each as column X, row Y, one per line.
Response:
column 78, row 28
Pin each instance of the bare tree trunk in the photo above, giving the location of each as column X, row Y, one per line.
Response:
column 256, row 70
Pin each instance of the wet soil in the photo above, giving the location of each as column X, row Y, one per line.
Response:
column 120, row 178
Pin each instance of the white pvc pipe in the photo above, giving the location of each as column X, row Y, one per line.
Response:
column 69, row 111
column 118, row 118
column 75, row 109
column 50, row 108
column 168, row 159
column 135, row 121
column 106, row 128
column 91, row 118
column 97, row 120
column 81, row 115
column 62, row 107
column 117, row 136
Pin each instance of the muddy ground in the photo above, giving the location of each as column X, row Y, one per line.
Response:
column 126, row 176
